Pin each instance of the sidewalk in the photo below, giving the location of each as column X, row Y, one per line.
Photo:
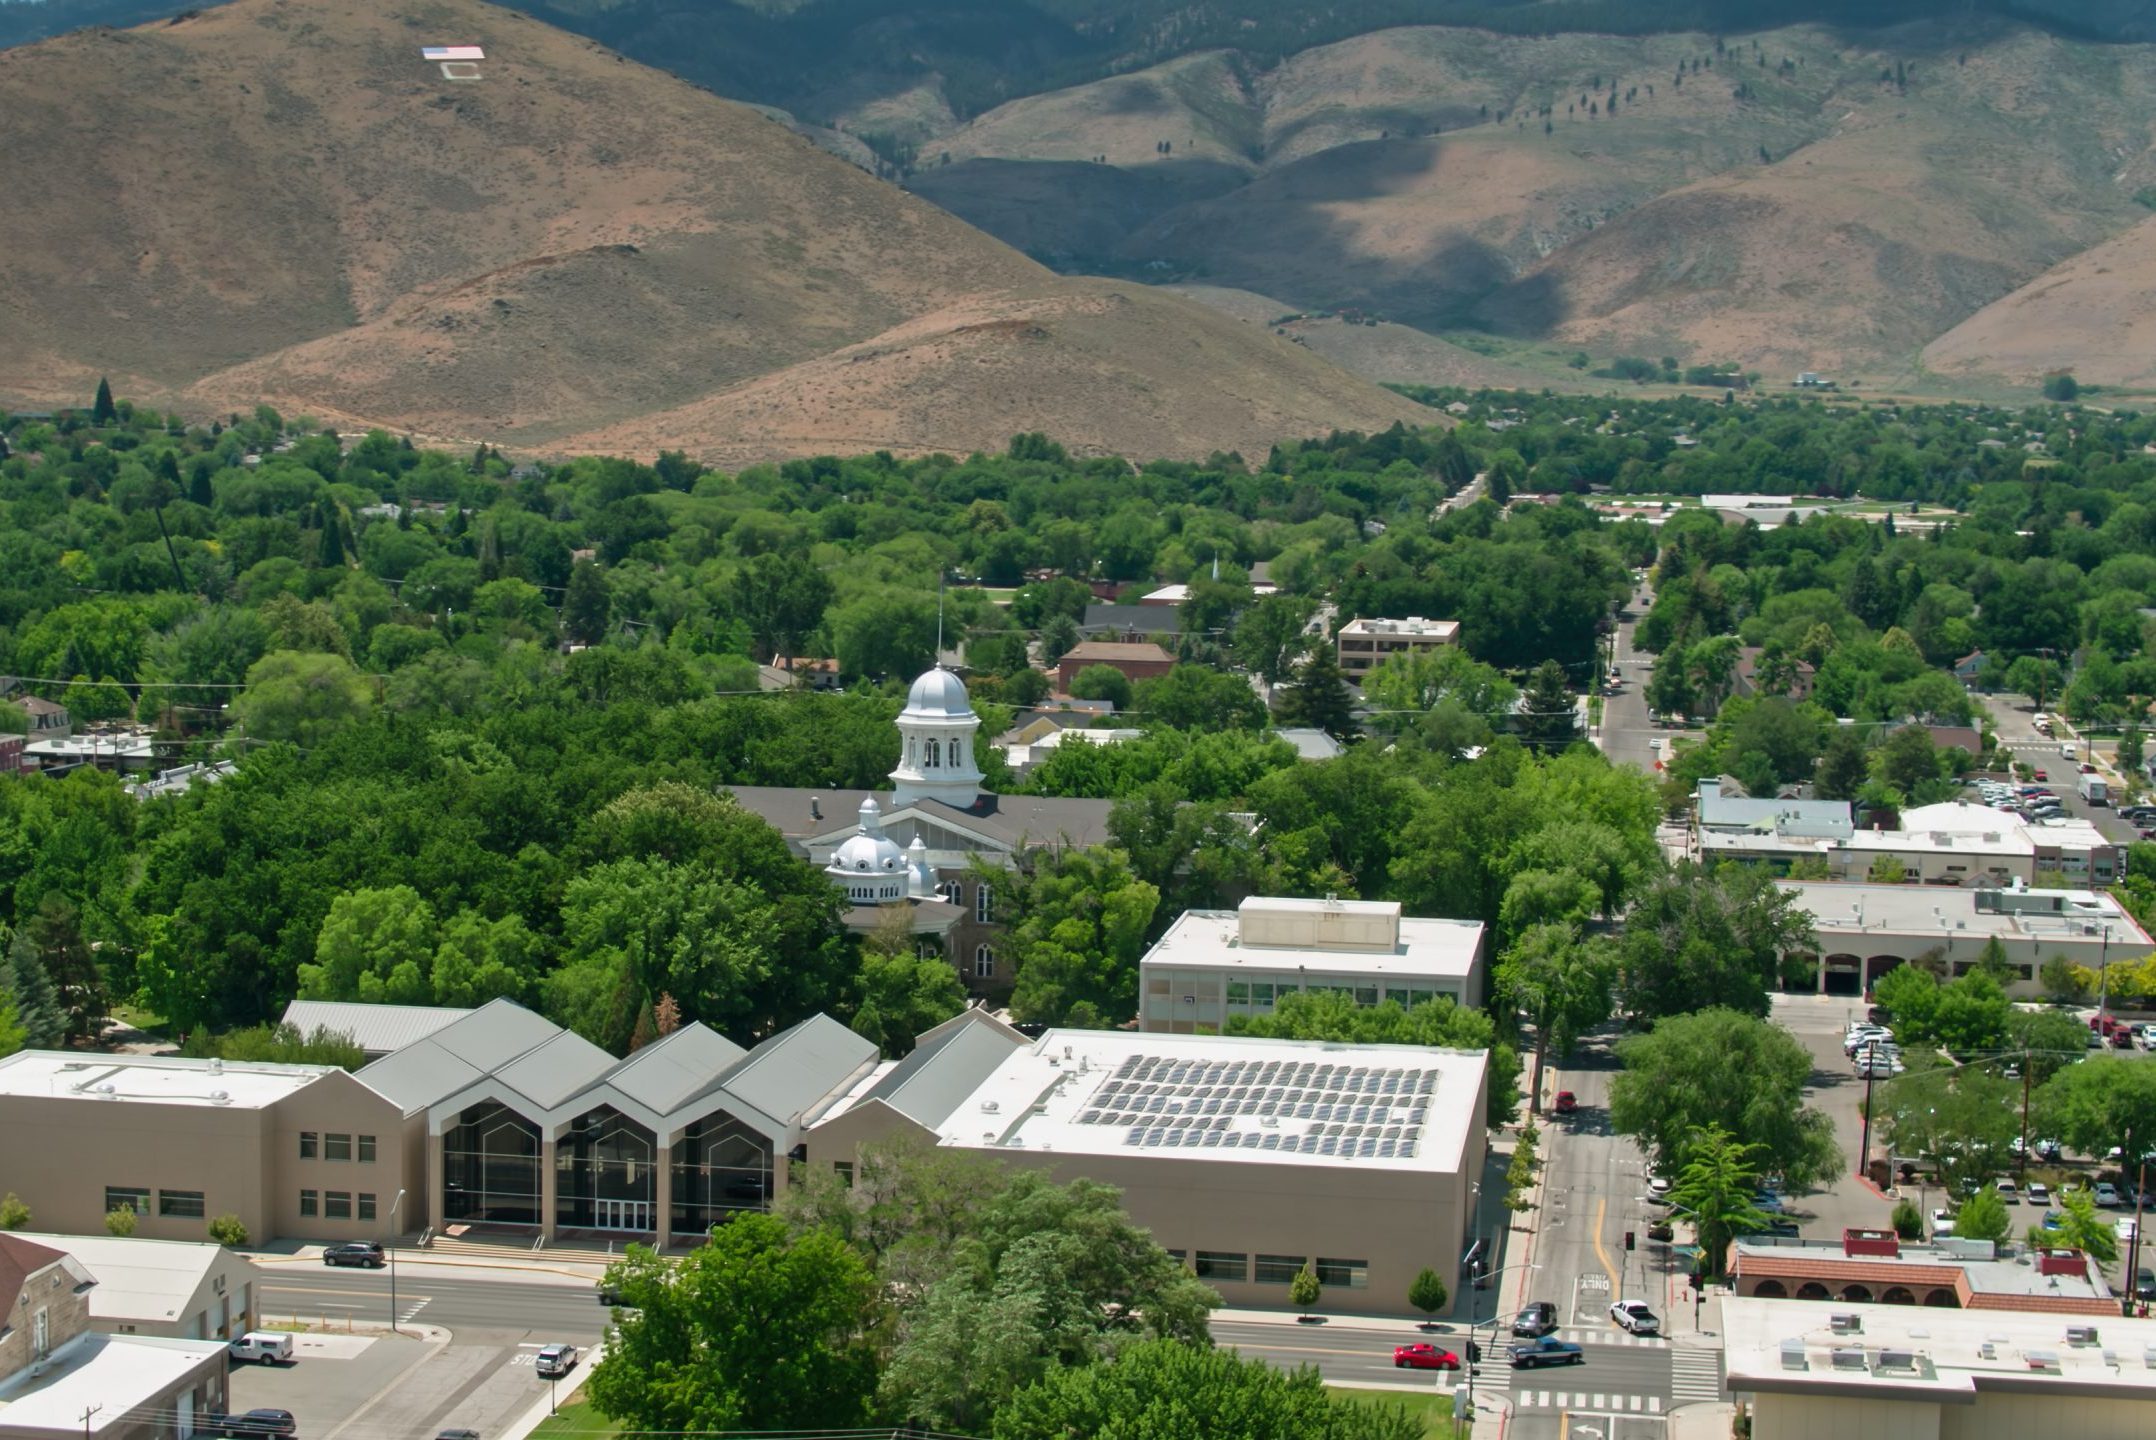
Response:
column 545, row 1405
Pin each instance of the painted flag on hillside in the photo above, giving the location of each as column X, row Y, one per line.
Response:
column 452, row 52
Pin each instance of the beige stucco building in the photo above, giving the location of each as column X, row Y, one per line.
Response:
column 289, row 1149
column 1894, row 1372
column 1214, row 965
column 182, row 1290
column 1245, row 1158
column 1363, row 644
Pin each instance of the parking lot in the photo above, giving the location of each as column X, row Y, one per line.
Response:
column 366, row 1386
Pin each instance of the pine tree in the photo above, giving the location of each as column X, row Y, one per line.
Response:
column 37, row 1004
column 331, row 555
column 586, row 608
column 1548, row 718
column 199, row 490
column 102, row 410
column 1318, row 696
column 666, row 1014
column 63, row 954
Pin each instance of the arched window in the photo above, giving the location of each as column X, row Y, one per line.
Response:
column 933, row 751
column 950, row 754
column 952, row 891
column 983, row 905
column 984, row 963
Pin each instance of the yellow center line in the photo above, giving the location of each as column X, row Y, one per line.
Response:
column 1602, row 1210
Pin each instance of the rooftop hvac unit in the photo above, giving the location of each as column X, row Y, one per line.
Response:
column 2081, row 1334
column 1897, row 1360
column 1850, row 1357
column 1846, row 1322
column 989, row 1107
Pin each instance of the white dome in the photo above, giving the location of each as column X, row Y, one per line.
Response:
column 939, row 692
column 869, row 851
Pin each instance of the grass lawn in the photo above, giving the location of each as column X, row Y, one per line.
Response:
column 575, row 1420
column 1433, row 1407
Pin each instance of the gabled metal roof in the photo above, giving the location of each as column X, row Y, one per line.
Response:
column 950, row 1063
column 677, row 1068
column 551, row 1073
column 376, row 1029
column 789, row 1073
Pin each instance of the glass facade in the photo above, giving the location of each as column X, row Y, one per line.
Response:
column 720, row 1166
column 604, row 1173
column 1199, row 1001
column 490, row 1167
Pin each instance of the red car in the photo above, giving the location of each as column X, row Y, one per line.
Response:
column 2043, row 775
column 1422, row 1355
column 1567, row 1102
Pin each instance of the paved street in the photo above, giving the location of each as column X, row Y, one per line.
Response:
column 504, row 1309
column 1627, row 738
column 2013, row 721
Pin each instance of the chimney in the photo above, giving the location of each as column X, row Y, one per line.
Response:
column 815, row 807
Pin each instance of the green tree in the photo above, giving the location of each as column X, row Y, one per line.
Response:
column 900, row 993
column 2061, row 386
column 587, row 606
column 2062, row 981
column 14, row 1214
column 1962, row 1121
column 756, row 1329
column 1548, row 719
column 374, row 946
column 228, row 1231
column 1102, row 682
column 120, row 1221
column 1716, row 1183
column 301, row 697
column 102, row 410
column 1077, row 925
column 1910, row 994
column 1721, row 1069
column 30, row 994
column 1520, row 1170
column 1427, row 1292
column 279, row 1044
column 54, row 935
column 1196, row 697
column 2100, row 1103
column 781, row 598
column 1318, row 696
column 1269, row 635
column 2131, row 750
column 12, row 1035
column 1700, row 938
column 2047, row 1040
column 1907, row 759
column 2081, row 1227
column 1304, row 1291
column 1983, row 1216
column 1560, row 984
column 1160, row 1390
column 1908, row 1221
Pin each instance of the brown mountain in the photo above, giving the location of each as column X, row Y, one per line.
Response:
column 2094, row 315
column 281, row 200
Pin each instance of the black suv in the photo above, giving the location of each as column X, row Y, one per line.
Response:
column 254, row 1425
column 1536, row 1320
column 360, row 1252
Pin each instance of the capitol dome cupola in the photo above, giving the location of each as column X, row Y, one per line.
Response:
column 935, row 757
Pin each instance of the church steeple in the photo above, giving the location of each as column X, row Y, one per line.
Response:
column 936, row 730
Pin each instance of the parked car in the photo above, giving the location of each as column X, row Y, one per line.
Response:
column 458, row 1435
column 1769, row 1203
column 1942, row 1221
column 2125, row 1229
column 2040, row 773
column 363, row 1253
column 610, row 1294
column 1566, row 1103
column 1661, row 1230
column 253, row 1424
column 555, row 1360
column 1658, row 1186
column 1633, row 1315
column 1549, row 1350
column 1422, row 1355
column 2107, row 1195
column 2039, row 1193
column 1535, row 1319
column 266, row 1347
column 2009, row 1192
column 2145, row 1284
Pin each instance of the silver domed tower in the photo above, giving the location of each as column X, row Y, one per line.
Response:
column 870, row 866
column 935, row 758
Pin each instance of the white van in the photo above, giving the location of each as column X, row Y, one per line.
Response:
column 269, row 1347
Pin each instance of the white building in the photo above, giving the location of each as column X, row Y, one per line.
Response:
column 1214, row 964
column 1364, row 644
column 1866, row 930
column 1956, row 843
column 181, row 1289
column 1904, row 1372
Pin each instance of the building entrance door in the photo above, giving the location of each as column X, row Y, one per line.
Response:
column 624, row 1214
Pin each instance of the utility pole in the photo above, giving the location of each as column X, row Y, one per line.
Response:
column 87, row 1412
column 1864, row 1147
column 2021, row 1170
column 2133, row 1247
column 394, row 1206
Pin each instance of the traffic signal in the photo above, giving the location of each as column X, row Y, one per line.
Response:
column 1631, row 1241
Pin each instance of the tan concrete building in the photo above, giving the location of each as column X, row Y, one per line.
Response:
column 1213, row 965
column 1245, row 1158
column 182, row 1290
column 61, row 1378
column 1895, row 1372
column 289, row 1149
column 1949, row 1273
column 1364, row 644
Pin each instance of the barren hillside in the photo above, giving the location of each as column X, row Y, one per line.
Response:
column 2094, row 315
column 282, row 200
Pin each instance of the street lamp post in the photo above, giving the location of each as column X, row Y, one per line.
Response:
column 1473, row 1324
column 394, row 1206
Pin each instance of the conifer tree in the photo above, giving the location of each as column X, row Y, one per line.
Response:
column 102, row 410
column 1318, row 696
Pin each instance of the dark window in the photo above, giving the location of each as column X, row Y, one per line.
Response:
column 306, row 1145
column 366, row 1149
column 984, row 905
column 1344, row 1274
column 336, row 1147
column 366, row 1206
column 184, row 1204
column 1279, row 1269
column 844, row 1170
column 126, row 1197
column 307, row 1203
column 336, row 1204
column 984, row 963
column 1223, row 1265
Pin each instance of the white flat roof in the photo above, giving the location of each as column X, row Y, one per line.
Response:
column 1843, row 907
column 107, row 1375
column 153, row 1079
column 2029, row 1349
column 1414, row 626
column 138, row 1279
column 1207, row 1097
column 1431, row 949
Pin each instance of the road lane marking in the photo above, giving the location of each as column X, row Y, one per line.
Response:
column 1602, row 1208
column 324, row 1290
